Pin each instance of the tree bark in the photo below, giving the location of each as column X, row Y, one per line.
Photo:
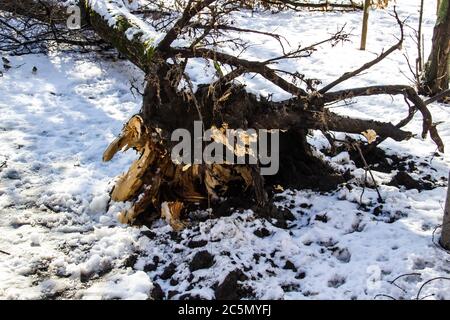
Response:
column 445, row 235
column 436, row 78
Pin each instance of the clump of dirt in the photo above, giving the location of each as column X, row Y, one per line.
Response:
column 262, row 233
column 232, row 204
column 202, row 260
column 290, row 266
column 336, row 281
column 196, row 244
column 378, row 160
column 387, row 216
column 157, row 292
column 280, row 215
column 403, row 179
column 168, row 272
column 230, row 288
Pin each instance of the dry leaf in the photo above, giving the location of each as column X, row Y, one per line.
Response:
column 370, row 135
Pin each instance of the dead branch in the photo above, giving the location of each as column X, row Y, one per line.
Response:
column 249, row 66
column 298, row 5
column 428, row 282
column 33, row 27
column 370, row 64
column 193, row 8
column 408, row 92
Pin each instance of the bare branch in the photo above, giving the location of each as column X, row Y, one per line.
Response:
column 370, row 64
column 190, row 11
column 409, row 92
column 250, row 66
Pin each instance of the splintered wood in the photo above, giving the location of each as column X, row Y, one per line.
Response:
column 155, row 184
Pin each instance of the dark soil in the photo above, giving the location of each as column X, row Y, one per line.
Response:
column 403, row 179
column 281, row 216
column 378, row 160
column 196, row 244
column 290, row 266
column 262, row 233
column 299, row 169
column 230, row 289
column 168, row 271
column 157, row 293
column 202, row 260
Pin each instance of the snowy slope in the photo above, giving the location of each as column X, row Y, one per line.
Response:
column 63, row 242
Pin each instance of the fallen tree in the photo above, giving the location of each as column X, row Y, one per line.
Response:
column 161, row 39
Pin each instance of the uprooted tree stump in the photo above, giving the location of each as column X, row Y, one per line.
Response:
column 158, row 186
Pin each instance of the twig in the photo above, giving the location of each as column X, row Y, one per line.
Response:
column 384, row 295
column 420, row 289
column 190, row 11
column 367, row 168
column 401, row 276
column 427, row 282
column 4, row 252
column 364, row 187
column 430, row 295
column 134, row 87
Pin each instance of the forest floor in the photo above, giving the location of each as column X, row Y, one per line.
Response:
column 60, row 239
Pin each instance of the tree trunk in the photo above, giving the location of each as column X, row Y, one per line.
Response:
column 419, row 61
column 365, row 26
column 445, row 235
column 436, row 78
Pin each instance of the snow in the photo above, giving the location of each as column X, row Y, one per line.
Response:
column 115, row 10
column 64, row 240
column 135, row 286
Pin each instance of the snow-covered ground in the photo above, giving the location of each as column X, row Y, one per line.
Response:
column 58, row 239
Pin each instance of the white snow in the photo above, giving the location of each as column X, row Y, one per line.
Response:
column 115, row 10
column 134, row 286
column 64, row 241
